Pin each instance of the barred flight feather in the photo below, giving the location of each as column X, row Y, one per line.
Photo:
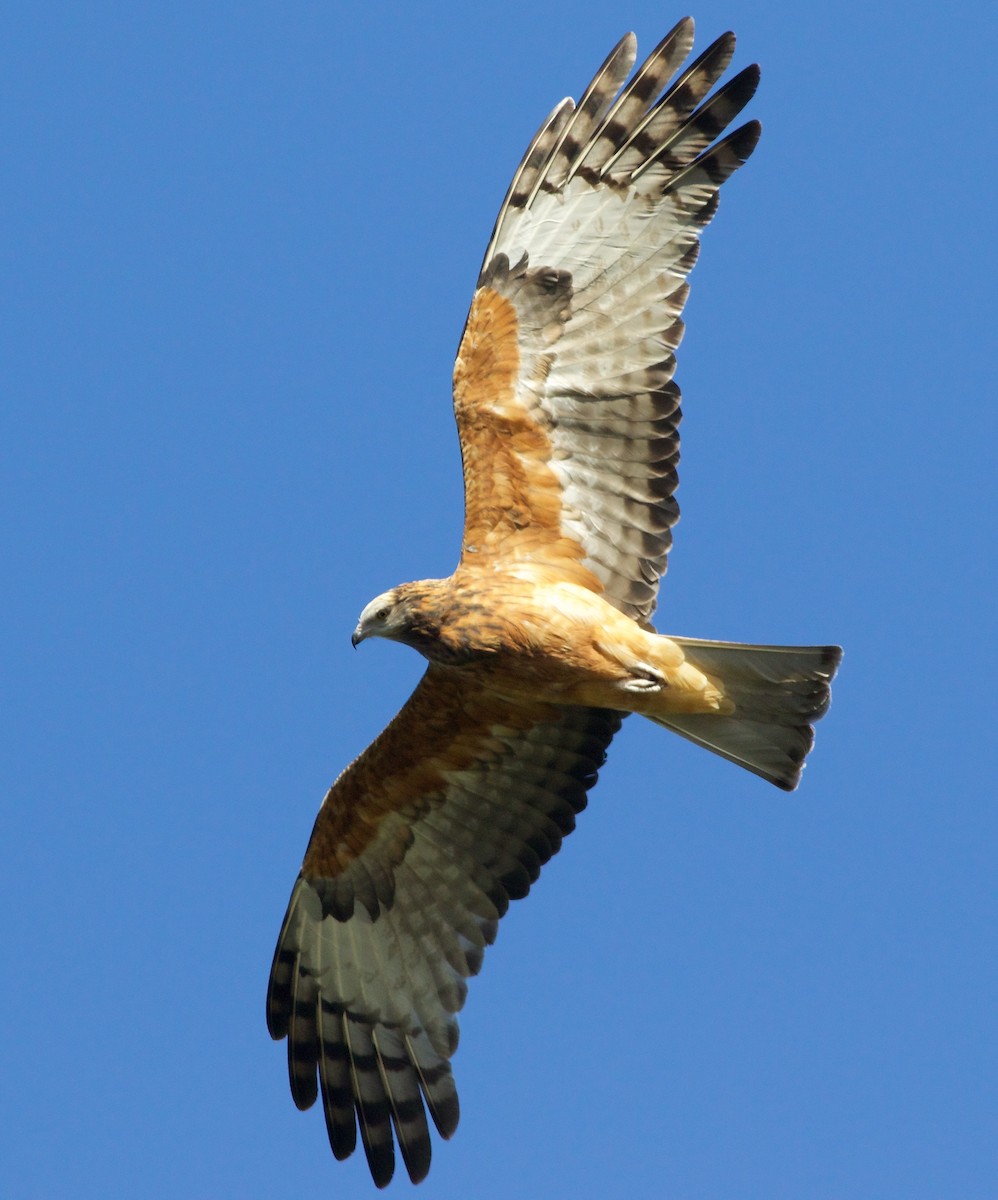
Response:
column 671, row 110
column 587, row 115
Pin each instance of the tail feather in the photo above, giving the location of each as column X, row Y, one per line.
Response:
column 778, row 693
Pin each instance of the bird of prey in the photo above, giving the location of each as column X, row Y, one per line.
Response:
column 541, row 640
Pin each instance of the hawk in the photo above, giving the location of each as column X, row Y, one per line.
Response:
column 541, row 641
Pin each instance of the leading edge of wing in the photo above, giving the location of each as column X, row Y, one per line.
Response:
column 416, row 852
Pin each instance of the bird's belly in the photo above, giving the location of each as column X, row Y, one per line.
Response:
column 568, row 649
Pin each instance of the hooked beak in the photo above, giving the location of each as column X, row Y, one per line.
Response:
column 357, row 637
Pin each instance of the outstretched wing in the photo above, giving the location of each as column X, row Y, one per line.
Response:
column 417, row 850
column 563, row 391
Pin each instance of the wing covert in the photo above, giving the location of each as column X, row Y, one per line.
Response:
column 566, row 408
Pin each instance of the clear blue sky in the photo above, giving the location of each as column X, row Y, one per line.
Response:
column 239, row 242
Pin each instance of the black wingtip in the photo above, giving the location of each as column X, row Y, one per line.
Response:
column 744, row 140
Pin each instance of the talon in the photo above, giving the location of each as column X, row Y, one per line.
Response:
column 645, row 679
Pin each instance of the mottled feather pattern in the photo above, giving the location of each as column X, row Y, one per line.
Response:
column 609, row 202
column 513, row 508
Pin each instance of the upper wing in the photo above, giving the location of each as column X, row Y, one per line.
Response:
column 563, row 391
column 416, row 852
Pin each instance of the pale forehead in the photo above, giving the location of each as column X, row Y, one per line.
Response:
column 385, row 600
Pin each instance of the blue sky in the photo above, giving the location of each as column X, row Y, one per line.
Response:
column 239, row 242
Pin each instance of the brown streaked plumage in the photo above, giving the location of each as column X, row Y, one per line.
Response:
column 541, row 640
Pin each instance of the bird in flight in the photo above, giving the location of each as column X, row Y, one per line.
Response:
column 541, row 641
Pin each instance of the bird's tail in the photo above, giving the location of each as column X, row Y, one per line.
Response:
column 778, row 693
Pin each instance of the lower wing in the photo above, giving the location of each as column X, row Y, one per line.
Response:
column 416, row 852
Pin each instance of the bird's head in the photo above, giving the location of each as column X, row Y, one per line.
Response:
column 410, row 613
column 384, row 617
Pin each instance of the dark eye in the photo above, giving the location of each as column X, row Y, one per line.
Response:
column 383, row 613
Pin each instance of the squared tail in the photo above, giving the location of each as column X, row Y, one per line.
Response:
column 778, row 693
